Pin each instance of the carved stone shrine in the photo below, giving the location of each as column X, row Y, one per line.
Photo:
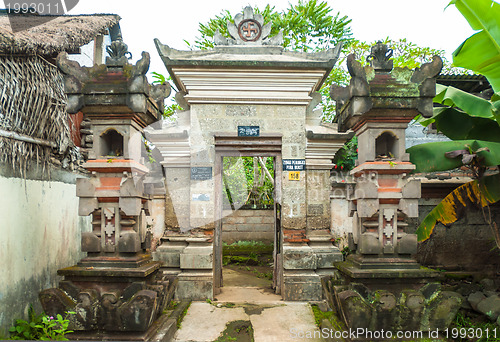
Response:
column 381, row 276
column 117, row 287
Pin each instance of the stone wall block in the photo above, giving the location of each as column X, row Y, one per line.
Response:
column 130, row 205
column 90, row 242
column 87, row 205
column 369, row 244
column 130, row 242
column 131, row 187
column 197, row 257
column 86, row 187
column 412, row 189
column 367, row 207
column 299, row 258
column 408, row 244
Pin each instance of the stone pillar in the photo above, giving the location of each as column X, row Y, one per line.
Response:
column 306, row 259
column 117, row 287
column 378, row 105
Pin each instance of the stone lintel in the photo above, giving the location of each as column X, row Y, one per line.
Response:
column 115, row 165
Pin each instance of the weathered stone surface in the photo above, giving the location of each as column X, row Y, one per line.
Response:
column 301, row 285
column 130, row 242
column 490, row 307
column 488, row 284
column 357, row 311
column 138, row 313
column 195, row 285
column 55, row 301
column 384, row 310
column 90, row 242
column 441, row 310
column 410, row 307
column 299, row 258
column 475, row 298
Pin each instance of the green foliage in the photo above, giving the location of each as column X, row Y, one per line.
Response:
column 307, row 26
column 245, row 182
column 41, row 327
column 170, row 109
column 481, row 51
column 345, row 158
column 431, row 157
column 467, row 117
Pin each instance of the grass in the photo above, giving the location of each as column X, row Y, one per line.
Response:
column 241, row 331
column 487, row 331
column 182, row 315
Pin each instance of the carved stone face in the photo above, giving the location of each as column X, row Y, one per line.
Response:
column 249, row 30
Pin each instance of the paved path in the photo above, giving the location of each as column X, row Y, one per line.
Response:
column 250, row 300
column 281, row 322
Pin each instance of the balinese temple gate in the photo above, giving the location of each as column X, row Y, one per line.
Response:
column 248, row 97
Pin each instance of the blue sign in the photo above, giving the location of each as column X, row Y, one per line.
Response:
column 248, row 131
column 294, row 164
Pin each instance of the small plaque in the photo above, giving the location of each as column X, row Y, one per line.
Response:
column 294, row 175
column 315, row 209
column 248, row 131
column 201, row 173
column 294, row 164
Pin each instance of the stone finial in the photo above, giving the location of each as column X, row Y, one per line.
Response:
column 248, row 29
column 379, row 57
column 118, row 53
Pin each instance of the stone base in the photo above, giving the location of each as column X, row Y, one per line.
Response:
column 390, row 294
column 111, row 299
column 301, row 285
column 305, row 264
column 385, row 273
column 120, row 336
column 195, row 285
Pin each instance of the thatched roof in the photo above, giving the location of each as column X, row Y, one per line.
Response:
column 50, row 35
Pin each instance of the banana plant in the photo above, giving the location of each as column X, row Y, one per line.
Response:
column 472, row 123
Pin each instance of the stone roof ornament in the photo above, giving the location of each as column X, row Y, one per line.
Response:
column 248, row 29
column 379, row 57
column 118, row 53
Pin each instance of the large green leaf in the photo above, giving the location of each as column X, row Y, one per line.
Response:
column 431, row 157
column 481, row 51
column 471, row 104
column 458, row 125
column 450, row 209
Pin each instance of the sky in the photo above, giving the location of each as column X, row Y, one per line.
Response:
column 424, row 22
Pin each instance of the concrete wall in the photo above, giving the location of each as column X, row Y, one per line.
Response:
column 256, row 225
column 39, row 233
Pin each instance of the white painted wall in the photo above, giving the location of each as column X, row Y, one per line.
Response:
column 39, row 233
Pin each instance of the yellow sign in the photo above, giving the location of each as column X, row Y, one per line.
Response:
column 294, row 175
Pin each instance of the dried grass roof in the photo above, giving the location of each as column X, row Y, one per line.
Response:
column 46, row 37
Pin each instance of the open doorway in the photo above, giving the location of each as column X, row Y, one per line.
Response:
column 248, row 221
column 268, row 148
